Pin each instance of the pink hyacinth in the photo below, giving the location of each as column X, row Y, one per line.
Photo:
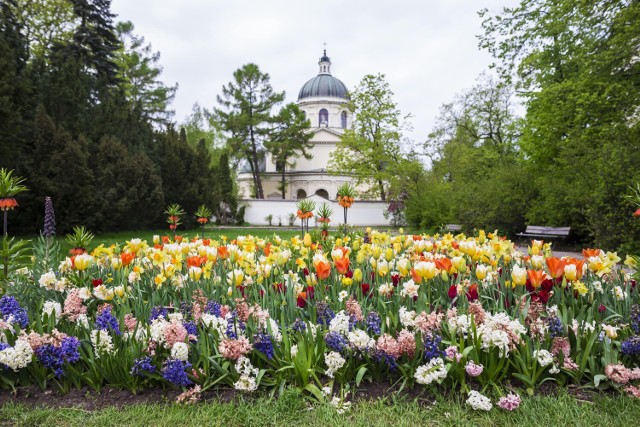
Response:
column 509, row 402
column 407, row 342
column 389, row 346
column 354, row 309
column 224, row 310
column 174, row 332
column 620, row 374
column 479, row 315
column 73, row 306
column 452, row 353
column 633, row 391
column 427, row 323
column 234, row 349
column 242, row 309
column 472, row 369
column 130, row 322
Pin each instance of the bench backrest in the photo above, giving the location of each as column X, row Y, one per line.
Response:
column 453, row 227
column 551, row 231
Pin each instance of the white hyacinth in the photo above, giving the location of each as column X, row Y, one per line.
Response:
column 340, row 323
column 360, row 340
column 51, row 307
column 102, row 343
column 407, row 318
column 334, row 362
column 544, row 357
column 180, row 351
column 435, row 370
column 479, row 402
column 17, row 357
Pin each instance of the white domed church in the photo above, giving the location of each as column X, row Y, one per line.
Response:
column 323, row 99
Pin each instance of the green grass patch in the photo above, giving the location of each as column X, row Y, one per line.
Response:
column 293, row 409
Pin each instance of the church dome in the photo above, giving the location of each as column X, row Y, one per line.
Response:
column 324, row 85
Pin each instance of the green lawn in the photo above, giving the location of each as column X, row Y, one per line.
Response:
column 293, row 410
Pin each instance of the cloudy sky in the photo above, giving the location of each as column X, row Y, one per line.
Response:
column 426, row 48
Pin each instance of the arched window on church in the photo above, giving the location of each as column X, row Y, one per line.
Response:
column 343, row 119
column 301, row 194
column 323, row 118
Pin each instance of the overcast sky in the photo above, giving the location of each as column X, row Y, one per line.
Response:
column 427, row 49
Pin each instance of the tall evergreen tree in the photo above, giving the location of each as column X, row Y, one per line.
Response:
column 289, row 140
column 247, row 103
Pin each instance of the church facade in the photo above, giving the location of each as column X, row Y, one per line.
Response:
column 323, row 100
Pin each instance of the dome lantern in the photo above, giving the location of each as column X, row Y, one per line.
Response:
column 324, row 85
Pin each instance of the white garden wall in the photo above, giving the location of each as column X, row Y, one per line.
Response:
column 362, row 213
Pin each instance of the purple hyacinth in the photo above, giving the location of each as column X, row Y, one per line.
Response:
column 262, row 342
column 51, row 357
column 49, row 218
column 555, row 326
column 233, row 324
column 335, row 341
column 299, row 325
column 213, row 308
column 373, row 322
column 323, row 313
column 142, row 365
column 631, row 346
column 174, row 372
column 191, row 328
column 12, row 312
column 105, row 321
column 70, row 347
column 431, row 347
column 158, row 311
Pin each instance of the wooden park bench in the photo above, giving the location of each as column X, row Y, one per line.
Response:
column 548, row 232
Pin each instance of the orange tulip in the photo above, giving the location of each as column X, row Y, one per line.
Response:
column 223, row 252
column 579, row 264
column 443, row 264
column 267, row 249
column 195, row 261
column 588, row 253
column 556, row 267
column 342, row 265
column 323, row 269
column 126, row 258
column 536, row 277
column 415, row 276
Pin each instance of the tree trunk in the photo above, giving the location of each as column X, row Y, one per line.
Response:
column 383, row 196
column 283, row 182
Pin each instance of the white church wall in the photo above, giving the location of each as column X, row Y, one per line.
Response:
column 362, row 213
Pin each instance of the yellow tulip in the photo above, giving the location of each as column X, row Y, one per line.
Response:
column 519, row 275
column 357, row 275
column 82, row 262
column 307, row 239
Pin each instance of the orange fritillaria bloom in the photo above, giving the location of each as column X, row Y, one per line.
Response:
column 323, row 269
column 536, row 277
column 8, row 203
column 556, row 267
column 342, row 265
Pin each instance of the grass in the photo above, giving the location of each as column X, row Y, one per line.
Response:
column 293, row 409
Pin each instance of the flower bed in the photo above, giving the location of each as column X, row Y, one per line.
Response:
column 464, row 313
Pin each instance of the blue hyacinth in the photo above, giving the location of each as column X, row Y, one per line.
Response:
column 373, row 323
column 299, row 325
column 51, row 357
column 335, row 341
column 556, row 328
column 156, row 312
column 262, row 342
column 213, row 308
column 324, row 314
column 70, row 347
column 107, row 321
column 11, row 311
column 432, row 347
column 191, row 328
column 635, row 318
column 174, row 372
column 631, row 346
column 142, row 365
